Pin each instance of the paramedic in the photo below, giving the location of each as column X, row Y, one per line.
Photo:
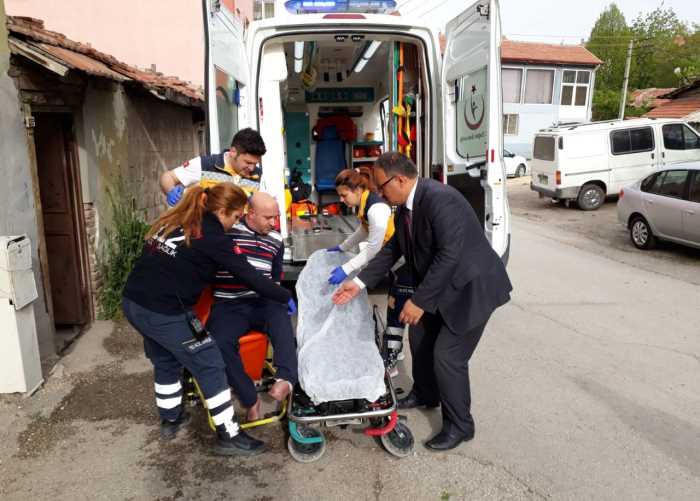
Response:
column 355, row 189
column 183, row 251
column 238, row 308
column 239, row 165
column 459, row 280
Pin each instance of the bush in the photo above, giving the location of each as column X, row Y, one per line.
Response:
column 123, row 244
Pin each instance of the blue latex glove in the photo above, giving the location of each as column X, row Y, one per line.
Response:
column 175, row 195
column 334, row 249
column 337, row 275
column 291, row 307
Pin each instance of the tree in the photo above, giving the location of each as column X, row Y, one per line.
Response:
column 660, row 48
column 608, row 41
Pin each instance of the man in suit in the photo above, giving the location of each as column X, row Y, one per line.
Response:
column 459, row 281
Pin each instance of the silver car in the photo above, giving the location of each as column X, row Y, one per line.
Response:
column 664, row 205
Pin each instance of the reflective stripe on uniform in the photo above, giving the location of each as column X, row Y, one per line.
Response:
column 219, row 399
column 168, row 389
column 168, row 403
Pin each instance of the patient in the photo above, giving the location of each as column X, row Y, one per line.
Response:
column 237, row 309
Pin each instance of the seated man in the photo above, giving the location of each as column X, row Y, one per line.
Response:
column 237, row 308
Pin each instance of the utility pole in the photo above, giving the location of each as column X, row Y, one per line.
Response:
column 623, row 100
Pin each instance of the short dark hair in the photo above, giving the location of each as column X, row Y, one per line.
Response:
column 249, row 141
column 394, row 163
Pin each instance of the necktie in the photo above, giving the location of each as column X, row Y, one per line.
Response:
column 407, row 220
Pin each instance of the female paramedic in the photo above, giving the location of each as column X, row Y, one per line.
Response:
column 183, row 251
column 355, row 189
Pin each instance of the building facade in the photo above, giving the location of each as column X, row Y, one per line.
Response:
column 79, row 122
column 543, row 85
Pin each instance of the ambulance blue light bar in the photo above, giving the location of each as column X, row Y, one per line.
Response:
column 338, row 6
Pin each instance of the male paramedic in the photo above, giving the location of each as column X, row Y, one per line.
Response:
column 238, row 308
column 459, row 281
column 239, row 165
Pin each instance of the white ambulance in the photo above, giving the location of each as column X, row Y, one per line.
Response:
column 333, row 84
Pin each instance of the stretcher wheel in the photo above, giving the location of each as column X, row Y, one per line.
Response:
column 399, row 441
column 307, row 453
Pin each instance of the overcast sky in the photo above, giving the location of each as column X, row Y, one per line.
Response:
column 552, row 21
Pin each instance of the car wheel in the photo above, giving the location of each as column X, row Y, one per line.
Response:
column 590, row 197
column 641, row 235
column 520, row 171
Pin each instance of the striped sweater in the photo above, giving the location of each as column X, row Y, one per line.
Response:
column 263, row 252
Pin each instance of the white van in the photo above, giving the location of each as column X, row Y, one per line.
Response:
column 587, row 162
column 306, row 80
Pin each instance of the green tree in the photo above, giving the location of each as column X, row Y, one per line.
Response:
column 660, row 47
column 608, row 41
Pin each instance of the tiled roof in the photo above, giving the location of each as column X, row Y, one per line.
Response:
column 82, row 57
column 542, row 53
column 679, row 107
column 649, row 97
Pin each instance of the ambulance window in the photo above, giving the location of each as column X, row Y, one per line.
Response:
column 226, row 107
column 472, row 114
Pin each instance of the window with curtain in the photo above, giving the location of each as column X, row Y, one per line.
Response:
column 512, row 83
column 538, row 86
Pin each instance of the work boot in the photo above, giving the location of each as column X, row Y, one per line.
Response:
column 169, row 429
column 280, row 390
column 253, row 412
column 232, row 441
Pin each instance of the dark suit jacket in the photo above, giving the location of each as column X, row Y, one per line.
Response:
column 456, row 271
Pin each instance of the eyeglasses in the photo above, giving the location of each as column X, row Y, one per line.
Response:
column 381, row 186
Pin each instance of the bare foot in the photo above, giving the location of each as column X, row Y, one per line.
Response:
column 253, row 413
column 280, row 390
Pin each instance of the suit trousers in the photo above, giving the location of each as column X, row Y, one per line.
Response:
column 441, row 369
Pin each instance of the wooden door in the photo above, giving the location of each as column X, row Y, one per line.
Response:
column 59, row 192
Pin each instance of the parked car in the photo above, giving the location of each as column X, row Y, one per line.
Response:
column 516, row 166
column 664, row 205
column 588, row 162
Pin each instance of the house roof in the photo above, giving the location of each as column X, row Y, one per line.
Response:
column 29, row 38
column 649, row 97
column 680, row 107
column 542, row 53
column 682, row 90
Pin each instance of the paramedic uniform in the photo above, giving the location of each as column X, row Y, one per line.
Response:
column 209, row 170
column 238, row 308
column 167, row 281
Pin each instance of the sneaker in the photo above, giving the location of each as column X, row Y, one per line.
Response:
column 240, row 444
column 169, row 429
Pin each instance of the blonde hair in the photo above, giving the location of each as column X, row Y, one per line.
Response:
column 189, row 211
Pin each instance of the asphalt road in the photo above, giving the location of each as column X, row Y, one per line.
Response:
column 585, row 386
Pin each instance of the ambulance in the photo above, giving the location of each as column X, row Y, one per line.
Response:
column 333, row 84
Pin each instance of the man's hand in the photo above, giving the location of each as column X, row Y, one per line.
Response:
column 345, row 292
column 411, row 314
column 175, row 195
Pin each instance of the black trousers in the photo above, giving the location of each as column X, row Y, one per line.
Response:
column 230, row 320
column 441, row 369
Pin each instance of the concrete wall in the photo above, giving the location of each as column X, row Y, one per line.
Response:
column 166, row 33
column 18, row 213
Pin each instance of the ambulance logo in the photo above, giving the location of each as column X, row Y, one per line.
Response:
column 474, row 110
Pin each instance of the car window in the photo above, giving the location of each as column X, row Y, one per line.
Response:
column 673, row 184
column 544, row 148
column 695, row 188
column 649, row 182
column 680, row 137
column 657, row 180
column 626, row 141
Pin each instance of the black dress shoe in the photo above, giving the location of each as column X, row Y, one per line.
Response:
column 448, row 439
column 411, row 401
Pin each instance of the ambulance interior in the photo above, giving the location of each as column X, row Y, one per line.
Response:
column 341, row 99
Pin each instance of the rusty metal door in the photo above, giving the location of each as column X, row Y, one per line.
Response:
column 60, row 191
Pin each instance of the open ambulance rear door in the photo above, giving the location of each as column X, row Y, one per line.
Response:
column 227, row 74
column 471, row 112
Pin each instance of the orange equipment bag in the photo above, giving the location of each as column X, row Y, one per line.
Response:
column 252, row 346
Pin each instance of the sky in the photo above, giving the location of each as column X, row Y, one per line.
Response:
column 553, row 21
